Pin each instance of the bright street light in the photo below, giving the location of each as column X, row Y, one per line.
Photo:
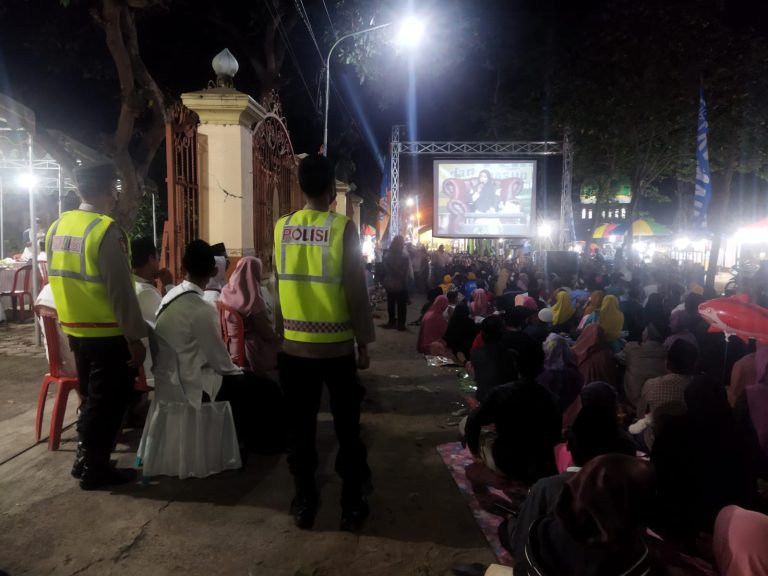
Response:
column 545, row 230
column 26, row 180
column 410, row 201
column 410, row 33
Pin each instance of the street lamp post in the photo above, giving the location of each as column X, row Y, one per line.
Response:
column 328, row 75
column 410, row 32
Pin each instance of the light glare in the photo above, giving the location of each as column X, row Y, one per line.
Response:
column 411, row 32
column 26, row 180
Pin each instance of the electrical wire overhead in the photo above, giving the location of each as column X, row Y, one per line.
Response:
column 278, row 21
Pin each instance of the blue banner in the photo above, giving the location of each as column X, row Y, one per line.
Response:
column 703, row 191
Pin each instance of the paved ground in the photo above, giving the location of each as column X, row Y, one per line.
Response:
column 236, row 523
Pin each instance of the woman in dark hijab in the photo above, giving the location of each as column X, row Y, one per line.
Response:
column 598, row 525
column 461, row 332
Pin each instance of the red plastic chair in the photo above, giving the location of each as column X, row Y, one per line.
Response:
column 64, row 384
column 21, row 289
column 225, row 313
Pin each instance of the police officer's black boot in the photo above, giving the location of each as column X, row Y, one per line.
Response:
column 97, row 471
column 79, row 463
column 354, row 507
column 305, row 503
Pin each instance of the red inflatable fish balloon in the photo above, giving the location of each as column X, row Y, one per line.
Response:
column 736, row 316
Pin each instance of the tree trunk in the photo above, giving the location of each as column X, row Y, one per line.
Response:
column 133, row 149
column 717, row 239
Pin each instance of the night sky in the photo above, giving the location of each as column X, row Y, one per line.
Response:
column 54, row 60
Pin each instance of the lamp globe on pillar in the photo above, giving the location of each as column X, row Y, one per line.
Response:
column 225, row 66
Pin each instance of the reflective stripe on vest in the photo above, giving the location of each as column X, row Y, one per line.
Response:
column 72, row 245
column 309, row 246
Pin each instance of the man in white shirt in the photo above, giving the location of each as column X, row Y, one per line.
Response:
column 190, row 326
column 146, row 270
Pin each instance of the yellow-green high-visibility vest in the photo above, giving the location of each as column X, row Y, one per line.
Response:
column 72, row 244
column 309, row 249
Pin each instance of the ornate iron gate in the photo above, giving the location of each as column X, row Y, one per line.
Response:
column 275, row 183
column 183, row 177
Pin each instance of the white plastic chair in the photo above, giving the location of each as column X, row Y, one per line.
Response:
column 178, row 438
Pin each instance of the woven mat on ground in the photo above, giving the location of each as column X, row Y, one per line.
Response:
column 490, row 496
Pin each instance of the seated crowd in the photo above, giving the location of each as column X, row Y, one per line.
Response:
column 640, row 433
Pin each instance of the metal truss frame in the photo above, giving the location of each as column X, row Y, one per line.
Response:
column 562, row 148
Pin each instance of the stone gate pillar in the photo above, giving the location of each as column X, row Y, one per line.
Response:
column 225, row 155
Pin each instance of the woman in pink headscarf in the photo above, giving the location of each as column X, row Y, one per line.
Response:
column 739, row 542
column 479, row 305
column 433, row 325
column 243, row 293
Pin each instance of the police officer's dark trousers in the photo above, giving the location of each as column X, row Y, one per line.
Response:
column 302, row 380
column 106, row 383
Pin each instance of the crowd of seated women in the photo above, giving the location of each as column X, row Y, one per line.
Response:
column 641, row 434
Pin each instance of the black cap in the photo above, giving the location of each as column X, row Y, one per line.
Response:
column 93, row 181
column 96, row 173
column 219, row 249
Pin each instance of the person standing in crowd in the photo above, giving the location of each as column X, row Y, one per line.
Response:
column 440, row 262
column 398, row 277
column 323, row 309
column 90, row 275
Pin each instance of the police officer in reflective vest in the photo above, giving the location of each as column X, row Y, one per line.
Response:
column 323, row 313
column 90, row 276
